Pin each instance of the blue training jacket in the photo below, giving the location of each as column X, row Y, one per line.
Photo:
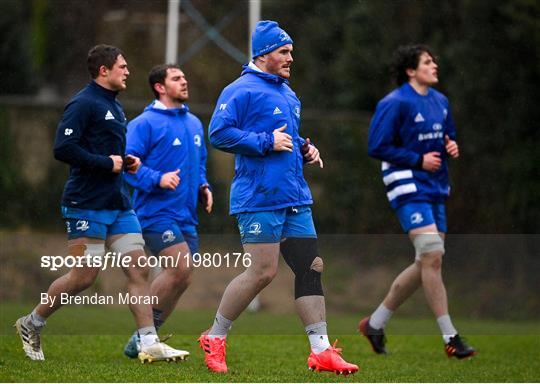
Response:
column 405, row 126
column 92, row 128
column 166, row 140
column 247, row 112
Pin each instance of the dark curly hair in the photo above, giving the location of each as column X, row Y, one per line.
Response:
column 407, row 57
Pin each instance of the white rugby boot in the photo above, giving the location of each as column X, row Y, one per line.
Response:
column 31, row 339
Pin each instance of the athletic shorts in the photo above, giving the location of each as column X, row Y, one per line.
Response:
column 164, row 234
column 99, row 224
column 272, row 226
column 420, row 214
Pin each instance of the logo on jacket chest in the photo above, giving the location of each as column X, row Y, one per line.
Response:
column 109, row 115
column 197, row 140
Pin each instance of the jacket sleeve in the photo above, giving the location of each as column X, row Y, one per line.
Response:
column 139, row 143
column 450, row 128
column 77, row 116
column 225, row 132
column 384, row 141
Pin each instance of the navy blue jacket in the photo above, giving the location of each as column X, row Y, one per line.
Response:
column 92, row 128
column 246, row 114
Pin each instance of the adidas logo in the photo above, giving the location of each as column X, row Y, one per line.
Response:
column 109, row 116
column 419, row 118
column 177, row 142
column 277, row 111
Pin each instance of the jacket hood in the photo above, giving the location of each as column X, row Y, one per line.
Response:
column 157, row 106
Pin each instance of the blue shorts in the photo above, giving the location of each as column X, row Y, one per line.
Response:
column 99, row 224
column 420, row 214
column 272, row 226
column 164, row 234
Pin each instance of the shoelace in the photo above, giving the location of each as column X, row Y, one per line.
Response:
column 165, row 338
column 338, row 350
column 217, row 348
column 34, row 340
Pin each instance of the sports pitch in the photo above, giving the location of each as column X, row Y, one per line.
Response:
column 84, row 344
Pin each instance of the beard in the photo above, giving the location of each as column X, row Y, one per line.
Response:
column 181, row 99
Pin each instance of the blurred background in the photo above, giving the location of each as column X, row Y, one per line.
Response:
column 489, row 67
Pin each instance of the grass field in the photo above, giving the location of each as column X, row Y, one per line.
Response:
column 84, row 344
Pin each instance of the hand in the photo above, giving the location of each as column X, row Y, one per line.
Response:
column 170, row 180
column 311, row 153
column 132, row 163
column 206, row 197
column 431, row 161
column 282, row 140
column 451, row 147
column 117, row 163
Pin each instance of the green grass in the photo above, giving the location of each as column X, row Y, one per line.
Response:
column 83, row 344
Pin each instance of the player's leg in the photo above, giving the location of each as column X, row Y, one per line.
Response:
column 174, row 248
column 411, row 216
column 299, row 249
column 244, row 287
column 166, row 241
column 171, row 282
column 85, row 238
column 176, row 266
column 237, row 296
column 429, row 245
column 125, row 238
column 260, row 233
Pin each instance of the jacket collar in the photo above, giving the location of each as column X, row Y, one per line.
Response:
column 251, row 68
column 158, row 106
column 103, row 91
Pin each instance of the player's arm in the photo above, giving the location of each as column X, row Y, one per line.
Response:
column 138, row 144
column 223, row 131
column 383, row 131
column 77, row 116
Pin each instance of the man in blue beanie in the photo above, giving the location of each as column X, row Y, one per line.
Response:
column 257, row 118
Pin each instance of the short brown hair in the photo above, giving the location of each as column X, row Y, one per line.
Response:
column 99, row 55
column 158, row 74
